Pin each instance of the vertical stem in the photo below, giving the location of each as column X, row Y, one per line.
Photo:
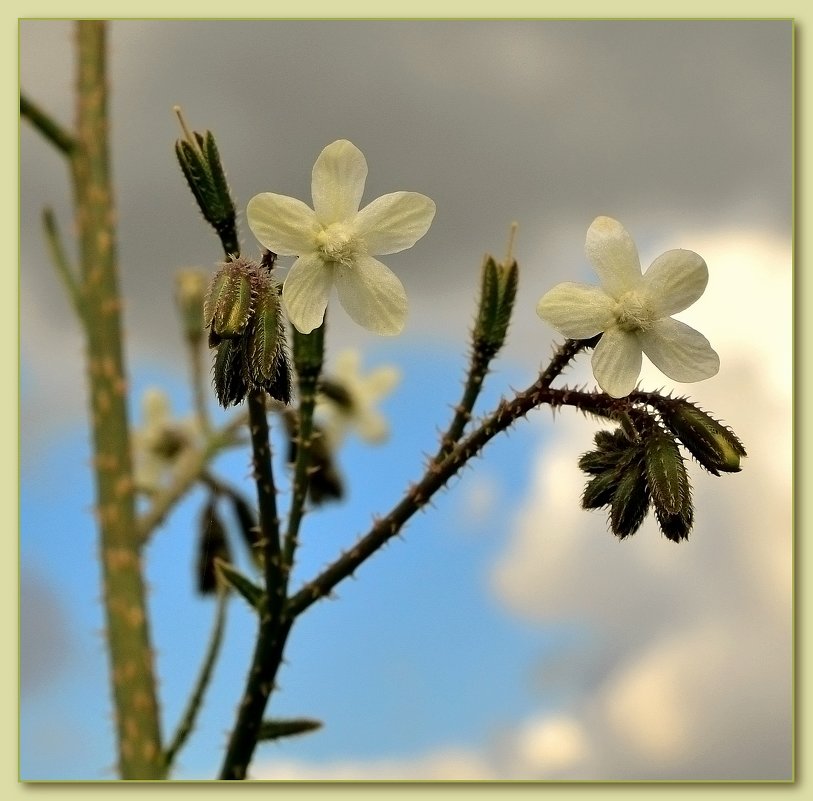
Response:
column 308, row 355
column 134, row 691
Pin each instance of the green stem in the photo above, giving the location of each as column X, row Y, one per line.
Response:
column 196, row 699
column 47, row 126
column 63, row 266
column 474, row 383
column 439, row 473
column 264, row 667
column 308, row 356
column 140, row 755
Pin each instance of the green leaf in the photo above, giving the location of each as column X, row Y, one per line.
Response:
column 235, row 579
column 276, row 728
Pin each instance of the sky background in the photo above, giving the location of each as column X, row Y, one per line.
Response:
column 507, row 634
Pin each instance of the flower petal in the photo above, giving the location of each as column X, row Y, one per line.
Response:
column 372, row 426
column 337, row 183
column 382, row 381
column 674, row 281
column 612, row 252
column 679, row 351
column 617, row 362
column 372, row 295
column 394, row 222
column 283, row 224
column 578, row 311
column 306, row 291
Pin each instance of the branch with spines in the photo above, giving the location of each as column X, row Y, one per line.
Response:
column 94, row 293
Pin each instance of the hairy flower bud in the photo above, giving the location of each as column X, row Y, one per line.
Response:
column 229, row 300
column 211, row 545
column 631, row 500
column 200, row 163
column 498, row 290
column 669, row 485
column 715, row 446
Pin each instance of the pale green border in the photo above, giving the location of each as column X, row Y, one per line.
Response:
column 425, row 9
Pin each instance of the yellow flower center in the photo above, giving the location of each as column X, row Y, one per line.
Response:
column 337, row 244
column 633, row 313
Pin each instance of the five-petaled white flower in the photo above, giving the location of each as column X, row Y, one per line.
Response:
column 359, row 410
column 335, row 242
column 633, row 311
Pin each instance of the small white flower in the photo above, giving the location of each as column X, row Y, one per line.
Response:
column 335, row 242
column 359, row 412
column 161, row 443
column 633, row 311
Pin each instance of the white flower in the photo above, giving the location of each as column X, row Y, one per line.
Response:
column 632, row 311
column 358, row 410
column 161, row 443
column 335, row 242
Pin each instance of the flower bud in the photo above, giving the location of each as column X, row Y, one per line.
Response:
column 668, row 485
column 498, row 290
column 229, row 300
column 631, row 500
column 266, row 346
column 200, row 163
column 715, row 446
column 229, row 373
column 211, row 545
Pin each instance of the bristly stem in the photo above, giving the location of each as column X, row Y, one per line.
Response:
column 478, row 369
column 140, row 755
column 196, row 699
column 308, row 356
column 47, row 126
column 439, row 473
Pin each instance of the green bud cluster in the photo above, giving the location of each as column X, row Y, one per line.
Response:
column 498, row 290
column 243, row 314
column 628, row 476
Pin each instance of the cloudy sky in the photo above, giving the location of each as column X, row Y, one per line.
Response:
column 508, row 635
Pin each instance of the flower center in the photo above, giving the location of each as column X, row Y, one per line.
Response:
column 633, row 313
column 337, row 244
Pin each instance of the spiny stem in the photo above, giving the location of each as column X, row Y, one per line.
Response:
column 140, row 755
column 265, row 664
column 308, row 355
column 196, row 699
column 64, row 268
column 266, row 497
column 47, row 126
column 439, row 473
column 478, row 370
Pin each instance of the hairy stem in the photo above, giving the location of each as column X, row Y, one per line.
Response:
column 134, row 690
column 474, row 383
column 438, row 474
column 308, row 355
